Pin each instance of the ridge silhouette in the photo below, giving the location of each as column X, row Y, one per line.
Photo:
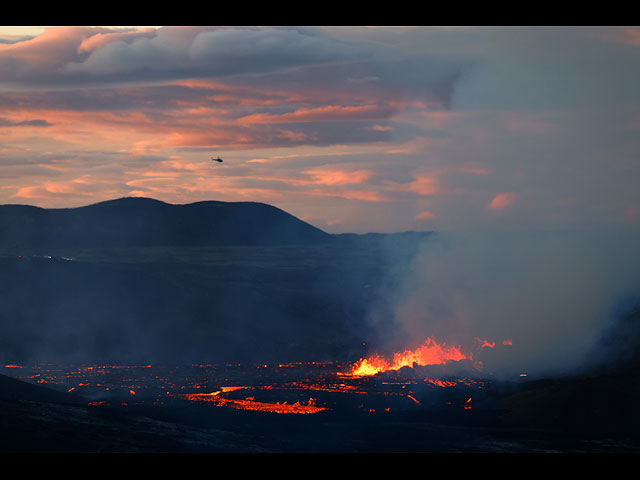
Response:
column 140, row 222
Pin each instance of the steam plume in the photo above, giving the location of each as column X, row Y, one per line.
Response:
column 551, row 294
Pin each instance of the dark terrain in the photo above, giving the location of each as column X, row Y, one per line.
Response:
column 592, row 414
column 137, row 280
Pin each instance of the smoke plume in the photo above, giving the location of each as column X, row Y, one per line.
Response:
column 551, row 295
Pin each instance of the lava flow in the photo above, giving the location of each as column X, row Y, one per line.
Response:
column 372, row 384
column 250, row 403
column 430, row 353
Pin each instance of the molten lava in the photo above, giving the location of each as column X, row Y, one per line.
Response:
column 430, row 353
column 295, row 388
column 250, row 403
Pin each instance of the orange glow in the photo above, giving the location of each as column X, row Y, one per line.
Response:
column 308, row 394
column 502, row 201
column 423, row 185
column 326, row 113
column 426, row 215
column 338, row 177
column 441, row 383
column 101, row 39
column 250, row 403
column 485, row 343
column 51, row 46
column 474, row 170
column 430, row 353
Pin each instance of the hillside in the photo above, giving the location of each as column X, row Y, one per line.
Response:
column 143, row 222
column 137, row 279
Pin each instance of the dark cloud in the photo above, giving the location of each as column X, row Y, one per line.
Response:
column 15, row 39
column 253, row 50
column 427, row 78
column 98, row 57
column 24, row 123
column 291, row 58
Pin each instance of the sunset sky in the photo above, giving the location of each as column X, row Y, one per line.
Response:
column 352, row 129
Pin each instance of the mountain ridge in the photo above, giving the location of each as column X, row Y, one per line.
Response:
column 143, row 221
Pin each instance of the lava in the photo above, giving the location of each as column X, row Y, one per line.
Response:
column 296, row 388
column 430, row 353
column 250, row 403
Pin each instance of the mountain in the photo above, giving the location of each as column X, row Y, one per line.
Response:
column 137, row 279
column 140, row 280
column 144, row 222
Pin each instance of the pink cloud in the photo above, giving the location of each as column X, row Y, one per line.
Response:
column 474, row 170
column 426, row 215
column 48, row 189
column 101, row 39
column 502, row 201
column 338, row 177
column 383, row 128
column 52, row 46
column 629, row 36
column 326, row 113
column 422, row 185
column 229, row 94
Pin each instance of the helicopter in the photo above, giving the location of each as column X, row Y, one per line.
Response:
column 216, row 159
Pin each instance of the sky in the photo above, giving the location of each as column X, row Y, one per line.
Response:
column 352, row 129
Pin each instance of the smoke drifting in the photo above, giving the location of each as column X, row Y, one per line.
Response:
column 551, row 294
column 558, row 297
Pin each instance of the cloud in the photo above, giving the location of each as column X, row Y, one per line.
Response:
column 502, row 201
column 628, row 36
column 323, row 114
column 234, row 50
column 338, row 177
column 460, row 117
column 75, row 56
column 24, row 123
column 80, row 187
column 101, row 39
column 426, row 215
column 422, row 184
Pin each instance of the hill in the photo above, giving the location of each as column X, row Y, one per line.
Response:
column 136, row 279
column 144, row 222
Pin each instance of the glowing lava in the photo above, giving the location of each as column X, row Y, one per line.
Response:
column 300, row 388
column 250, row 403
column 430, row 353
